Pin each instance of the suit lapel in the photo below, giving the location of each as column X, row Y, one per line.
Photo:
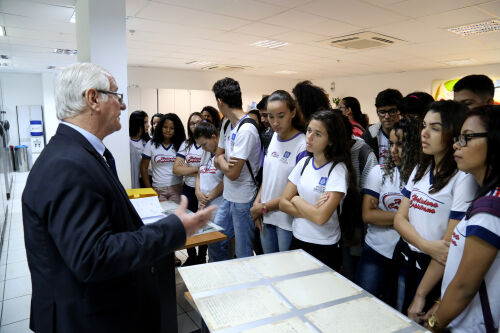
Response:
column 75, row 135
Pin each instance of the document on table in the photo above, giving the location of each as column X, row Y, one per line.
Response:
column 148, row 208
column 292, row 325
column 239, row 307
column 283, row 263
column 315, row 289
column 357, row 316
column 216, row 275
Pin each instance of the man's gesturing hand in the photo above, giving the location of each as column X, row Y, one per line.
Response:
column 196, row 221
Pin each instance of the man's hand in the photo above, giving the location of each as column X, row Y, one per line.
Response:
column 193, row 222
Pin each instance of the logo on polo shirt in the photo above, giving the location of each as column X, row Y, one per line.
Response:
column 233, row 136
column 275, row 154
column 287, row 154
column 323, row 180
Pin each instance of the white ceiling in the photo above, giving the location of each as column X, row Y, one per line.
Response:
column 170, row 33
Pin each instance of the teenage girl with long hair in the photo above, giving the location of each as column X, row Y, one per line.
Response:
column 161, row 152
column 287, row 147
column 187, row 164
column 377, row 271
column 471, row 282
column 316, row 228
column 436, row 197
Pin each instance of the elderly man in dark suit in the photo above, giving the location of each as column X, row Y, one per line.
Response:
column 95, row 267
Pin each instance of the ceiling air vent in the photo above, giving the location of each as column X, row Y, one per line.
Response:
column 362, row 40
column 225, row 68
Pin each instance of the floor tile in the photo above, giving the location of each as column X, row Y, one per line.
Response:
column 17, row 269
column 3, row 269
column 16, row 309
column 17, row 287
column 17, row 327
column 185, row 324
column 16, row 255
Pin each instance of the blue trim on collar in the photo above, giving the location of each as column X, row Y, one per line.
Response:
column 293, row 137
column 246, row 115
column 167, row 148
column 320, row 166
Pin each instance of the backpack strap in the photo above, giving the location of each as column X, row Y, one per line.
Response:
column 226, row 125
column 305, row 164
column 485, row 307
column 251, row 121
column 486, row 204
column 358, row 127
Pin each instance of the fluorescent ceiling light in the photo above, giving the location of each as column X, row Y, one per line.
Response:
column 460, row 62
column 73, row 17
column 286, row 72
column 270, row 44
column 476, row 28
column 2, row 31
column 65, row 51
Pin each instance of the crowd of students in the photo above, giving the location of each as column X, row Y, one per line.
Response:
column 408, row 208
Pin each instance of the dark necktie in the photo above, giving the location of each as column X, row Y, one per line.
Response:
column 111, row 161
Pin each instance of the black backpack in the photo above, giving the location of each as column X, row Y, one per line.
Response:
column 256, row 179
column 350, row 217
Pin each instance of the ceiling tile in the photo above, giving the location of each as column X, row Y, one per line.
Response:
column 455, row 17
column 185, row 16
column 418, row 8
column 365, row 15
column 34, row 9
column 262, row 29
column 286, row 3
column 294, row 19
column 297, row 37
column 492, row 8
column 413, row 31
column 331, row 28
column 134, row 6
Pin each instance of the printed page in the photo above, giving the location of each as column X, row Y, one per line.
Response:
column 216, row 275
column 285, row 263
column 240, row 307
column 147, row 207
column 359, row 315
column 292, row 325
column 310, row 290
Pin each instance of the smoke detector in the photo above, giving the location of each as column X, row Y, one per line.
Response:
column 362, row 40
column 225, row 68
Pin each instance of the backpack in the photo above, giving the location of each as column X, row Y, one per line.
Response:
column 256, row 179
column 349, row 214
column 490, row 205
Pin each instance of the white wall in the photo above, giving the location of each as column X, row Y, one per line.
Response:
column 366, row 88
column 19, row 89
column 252, row 87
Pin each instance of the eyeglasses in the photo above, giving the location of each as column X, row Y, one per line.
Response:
column 463, row 139
column 119, row 95
column 391, row 112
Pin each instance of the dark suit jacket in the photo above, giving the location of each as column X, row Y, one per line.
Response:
column 94, row 266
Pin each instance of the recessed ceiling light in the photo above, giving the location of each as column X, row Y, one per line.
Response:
column 270, row 44
column 286, row 72
column 72, row 19
column 2, row 31
column 460, row 62
column 476, row 28
column 65, row 51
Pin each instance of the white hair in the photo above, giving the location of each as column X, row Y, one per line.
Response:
column 71, row 85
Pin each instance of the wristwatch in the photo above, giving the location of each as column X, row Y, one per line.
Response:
column 264, row 210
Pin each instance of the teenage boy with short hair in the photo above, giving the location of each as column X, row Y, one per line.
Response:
column 377, row 135
column 239, row 142
column 474, row 90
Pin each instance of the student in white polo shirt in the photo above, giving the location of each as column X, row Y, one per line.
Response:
column 209, row 184
column 471, row 282
column 316, row 227
column 238, row 157
column 187, row 163
column 287, row 147
column 436, row 197
column 377, row 272
column 161, row 152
